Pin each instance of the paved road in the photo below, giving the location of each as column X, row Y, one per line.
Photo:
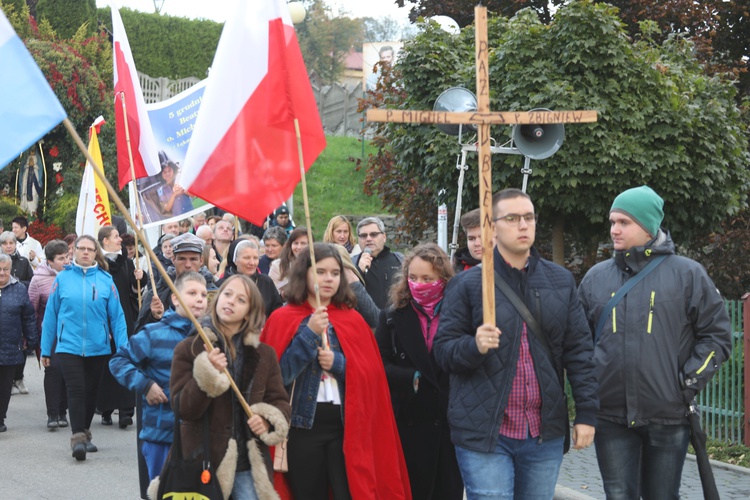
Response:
column 579, row 478
column 36, row 463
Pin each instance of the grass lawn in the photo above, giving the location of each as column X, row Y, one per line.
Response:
column 334, row 186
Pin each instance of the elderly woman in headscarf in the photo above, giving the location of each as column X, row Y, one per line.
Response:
column 242, row 258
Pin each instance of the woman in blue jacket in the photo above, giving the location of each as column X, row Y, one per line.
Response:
column 83, row 313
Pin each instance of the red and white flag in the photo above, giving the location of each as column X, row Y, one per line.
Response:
column 142, row 143
column 243, row 153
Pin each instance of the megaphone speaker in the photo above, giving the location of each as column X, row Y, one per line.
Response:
column 538, row 141
column 455, row 99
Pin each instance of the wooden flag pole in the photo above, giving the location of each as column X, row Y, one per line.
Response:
column 121, row 207
column 323, row 335
column 134, row 186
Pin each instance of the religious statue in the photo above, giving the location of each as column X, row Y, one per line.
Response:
column 30, row 186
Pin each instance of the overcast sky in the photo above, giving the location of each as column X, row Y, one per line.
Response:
column 217, row 9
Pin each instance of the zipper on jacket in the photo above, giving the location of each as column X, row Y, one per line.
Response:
column 651, row 312
column 705, row 364
column 83, row 335
column 614, row 317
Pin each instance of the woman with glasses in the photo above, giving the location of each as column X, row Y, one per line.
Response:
column 83, row 313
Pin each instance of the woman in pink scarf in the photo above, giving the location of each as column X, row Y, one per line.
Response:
column 419, row 388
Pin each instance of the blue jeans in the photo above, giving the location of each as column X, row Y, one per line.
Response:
column 244, row 487
column 518, row 468
column 641, row 461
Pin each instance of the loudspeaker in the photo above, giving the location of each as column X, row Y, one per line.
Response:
column 456, row 99
column 538, row 141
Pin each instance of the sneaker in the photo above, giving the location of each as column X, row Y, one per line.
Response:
column 14, row 390
column 52, row 422
column 21, row 387
column 62, row 421
column 107, row 419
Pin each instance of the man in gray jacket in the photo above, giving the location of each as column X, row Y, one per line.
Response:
column 660, row 345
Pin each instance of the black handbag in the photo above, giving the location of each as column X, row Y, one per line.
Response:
column 192, row 478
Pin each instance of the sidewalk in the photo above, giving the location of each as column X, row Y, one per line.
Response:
column 579, row 479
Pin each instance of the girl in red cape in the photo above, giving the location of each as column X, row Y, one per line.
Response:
column 343, row 439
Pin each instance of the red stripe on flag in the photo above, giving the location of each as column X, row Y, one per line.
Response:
column 255, row 166
column 124, row 85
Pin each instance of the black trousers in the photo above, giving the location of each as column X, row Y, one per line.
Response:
column 316, row 457
column 55, row 395
column 6, row 384
column 18, row 373
column 82, row 376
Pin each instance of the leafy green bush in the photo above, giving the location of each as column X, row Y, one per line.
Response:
column 162, row 45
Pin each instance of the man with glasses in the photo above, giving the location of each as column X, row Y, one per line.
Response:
column 656, row 348
column 377, row 263
column 508, row 410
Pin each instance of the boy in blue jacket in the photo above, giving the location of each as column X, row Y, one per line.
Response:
column 145, row 362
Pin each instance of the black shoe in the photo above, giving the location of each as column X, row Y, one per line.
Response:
column 91, row 447
column 3, row 428
column 106, row 419
column 79, row 451
column 125, row 421
column 62, row 421
column 52, row 422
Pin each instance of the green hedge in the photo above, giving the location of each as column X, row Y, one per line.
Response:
column 173, row 47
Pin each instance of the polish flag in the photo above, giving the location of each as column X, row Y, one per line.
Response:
column 243, row 154
column 142, row 143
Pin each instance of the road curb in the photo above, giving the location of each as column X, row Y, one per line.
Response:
column 565, row 493
column 724, row 465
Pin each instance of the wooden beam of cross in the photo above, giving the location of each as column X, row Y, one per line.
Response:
column 483, row 118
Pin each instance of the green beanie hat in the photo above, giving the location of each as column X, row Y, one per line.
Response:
column 643, row 205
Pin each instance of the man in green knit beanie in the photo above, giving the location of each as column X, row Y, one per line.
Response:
column 659, row 345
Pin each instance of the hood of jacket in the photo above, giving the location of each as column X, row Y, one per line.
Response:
column 634, row 259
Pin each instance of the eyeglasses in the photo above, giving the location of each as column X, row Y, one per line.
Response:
column 373, row 235
column 515, row 219
column 86, row 249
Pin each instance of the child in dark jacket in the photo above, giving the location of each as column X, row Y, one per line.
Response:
column 144, row 365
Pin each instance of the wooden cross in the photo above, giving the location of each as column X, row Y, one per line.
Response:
column 483, row 118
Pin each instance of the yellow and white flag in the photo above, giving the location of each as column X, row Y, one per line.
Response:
column 94, row 211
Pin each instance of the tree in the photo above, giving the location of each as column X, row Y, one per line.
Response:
column 325, row 41
column 462, row 11
column 67, row 16
column 662, row 122
column 382, row 29
column 719, row 29
column 84, row 95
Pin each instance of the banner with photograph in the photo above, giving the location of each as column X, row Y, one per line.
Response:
column 161, row 197
column 374, row 52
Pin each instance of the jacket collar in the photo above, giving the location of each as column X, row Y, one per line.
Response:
column 250, row 339
column 634, row 259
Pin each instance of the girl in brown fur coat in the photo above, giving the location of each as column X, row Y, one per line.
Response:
column 238, row 445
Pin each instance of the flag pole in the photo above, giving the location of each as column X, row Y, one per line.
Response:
column 121, row 207
column 137, row 199
column 323, row 335
column 44, row 167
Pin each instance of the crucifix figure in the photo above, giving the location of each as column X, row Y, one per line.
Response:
column 483, row 118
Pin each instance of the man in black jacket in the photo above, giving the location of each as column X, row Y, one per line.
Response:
column 377, row 264
column 508, row 411
column 660, row 344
